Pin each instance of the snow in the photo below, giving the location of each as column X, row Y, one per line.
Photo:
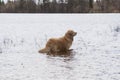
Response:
column 96, row 48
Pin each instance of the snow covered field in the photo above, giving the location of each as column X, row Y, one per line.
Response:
column 96, row 54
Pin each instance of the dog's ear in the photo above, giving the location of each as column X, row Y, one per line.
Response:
column 71, row 33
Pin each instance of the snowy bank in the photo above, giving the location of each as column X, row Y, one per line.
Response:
column 96, row 47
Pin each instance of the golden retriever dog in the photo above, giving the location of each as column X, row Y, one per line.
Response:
column 62, row 44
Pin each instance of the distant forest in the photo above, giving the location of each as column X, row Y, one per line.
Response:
column 60, row 6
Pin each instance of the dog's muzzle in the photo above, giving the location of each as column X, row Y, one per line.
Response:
column 75, row 33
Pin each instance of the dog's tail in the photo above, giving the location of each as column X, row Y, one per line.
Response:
column 44, row 50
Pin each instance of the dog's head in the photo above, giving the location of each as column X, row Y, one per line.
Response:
column 70, row 34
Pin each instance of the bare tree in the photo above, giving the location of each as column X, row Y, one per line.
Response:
column 1, row 6
column 10, row 7
column 31, row 6
column 53, row 6
column 61, row 6
column 90, row 5
column 46, row 6
column 70, row 5
column 83, row 6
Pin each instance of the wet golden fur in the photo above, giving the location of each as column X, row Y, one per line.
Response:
column 62, row 44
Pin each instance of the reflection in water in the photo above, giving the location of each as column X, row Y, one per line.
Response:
column 62, row 54
column 60, row 67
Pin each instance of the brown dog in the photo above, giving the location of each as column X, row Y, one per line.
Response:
column 56, row 45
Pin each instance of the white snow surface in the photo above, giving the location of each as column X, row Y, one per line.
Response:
column 96, row 48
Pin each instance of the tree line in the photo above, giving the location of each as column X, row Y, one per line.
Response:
column 59, row 6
